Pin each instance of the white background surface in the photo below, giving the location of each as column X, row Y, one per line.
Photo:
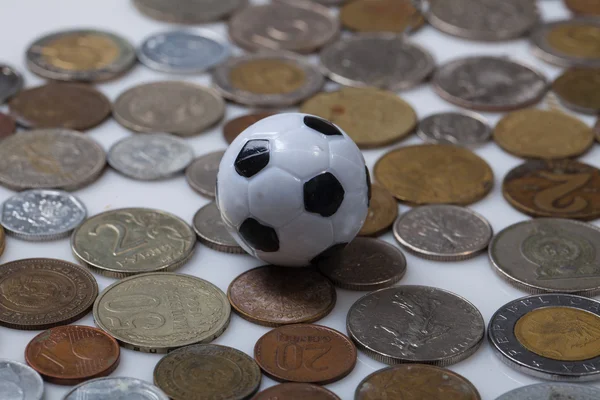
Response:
column 22, row 21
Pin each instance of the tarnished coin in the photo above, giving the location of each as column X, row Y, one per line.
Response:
column 296, row 391
column 381, row 16
column 50, row 159
column 597, row 130
column 549, row 336
column 181, row 108
column 188, row 11
column 234, row 127
column 150, row 157
column 489, row 84
column 586, row 7
column 579, row 89
column 212, row 232
column 20, row 382
column 330, row 3
column 131, row 241
column 8, row 126
column 116, row 389
column 207, row 372
column 80, row 55
column 457, row 128
column 2, row 240
column 10, row 82
column 383, row 210
column 162, row 311
column 352, row 110
column 267, row 79
column 435, row 174
column 201, row 174
column 552, row 391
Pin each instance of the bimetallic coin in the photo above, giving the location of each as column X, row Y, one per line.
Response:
column 552, row 391
column 585, row 7
column 188, row 11
column 383, row 210
column 415, row 324
column 201, row 174
column 234, row 127
column 116, row 389
column 296, row 391
column 20, row 382
column 457, row 128
column 381, row 16
column 8, row 126
column 10, row 82
column 578, row 89
column 212, row 232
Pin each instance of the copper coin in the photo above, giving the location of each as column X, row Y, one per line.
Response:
column 306, row 354
column 7, row 125
column 71, row 354
column 296, row 391
column 275, row 296
column 60, row 105
column 560, row 189
column 234, row 127
column 383, row 211
column 585, row 7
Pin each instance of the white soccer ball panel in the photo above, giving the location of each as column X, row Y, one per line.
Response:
column 351, row 175
column 306, row 236
column 233, row 197
column 302, row 152
column 346, row 149
column 350, row 217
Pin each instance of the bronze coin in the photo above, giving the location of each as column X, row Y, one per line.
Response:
column 234, row 127
column 306, row 354
column 560, row 189
column 60, row 105
column 296, row 391
column 71, row 354
column 275, row 296
column 383, row 211
column 7, row 125
column 585, row 7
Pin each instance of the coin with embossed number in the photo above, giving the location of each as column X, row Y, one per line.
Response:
column 10, row 82
column 579, row 89
column 458, row 128
column 381, row 16
column 552, row 391
column 116, row 389
column 20, row 382
column 212, row 231
column 296, row 391
column 201, row 174
column 585, row 7
column 188, row 11
column 383, row 210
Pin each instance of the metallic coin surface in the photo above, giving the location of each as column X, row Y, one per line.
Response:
column 551, row 391
column 8, row 126
column 19, row 381
column 150, row 157
column 434, row 174
column 415, row 324
column 188, row 11
column 212, row 232
column 181, row 108
column 234, row 127
column 183, row 52
column 549, row 336
column 330, row 3
column 71, row 354
column 116, row 389
column 305, row 354
column 585, row 7
column 207, row 372
column 352, row 110
column 10, row 82
column 597, row 130
column 80, row 55
column 296, row 391
column 2, row 240
column 578, row 89
column 201, row 174
column 383, row 211
column 457, row 128
column 131, row 241
column 489, row 84
column 397, row 16
column 50, row 159
column 415, row 381
column 162, row 311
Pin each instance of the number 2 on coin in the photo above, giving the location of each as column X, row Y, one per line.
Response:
column 567, row 183
column 292, row 356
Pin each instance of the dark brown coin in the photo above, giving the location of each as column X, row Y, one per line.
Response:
column 7, row 125
column 60, row 105
column 296, row 391
column 41, row 293
column 71, row 354
column 305, row 353
column 560, row 189
column 233, row 128
column 383, row 211
column 597, row 130
column 274, row 296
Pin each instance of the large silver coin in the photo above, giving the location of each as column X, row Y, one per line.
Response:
column 212, row 231
column 10, row 82
column 19, row 382
column 552, row 391
column 188, row 11
column 457, row 128
column 38, row 214
column 150, row 157
column 415, row 324
column 201, row 174
column 116, row 389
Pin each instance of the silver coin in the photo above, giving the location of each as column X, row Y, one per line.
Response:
column 443, row 232
column 38, row 215
column 188, row 11
column 212, row 231
column 150, row 157
column 183, row 52
column 552, row 391
column 415, row 324
column 19, row 382
column 383, row 60
column 489, row 84
column 119, row 388
column 11, row 82
column 457, row 128
column 201, row 175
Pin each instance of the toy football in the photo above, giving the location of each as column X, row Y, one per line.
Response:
column 292, row 189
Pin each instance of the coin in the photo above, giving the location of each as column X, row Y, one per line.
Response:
column 20, row 382
column 305, row 354
column 489, row 84
column 150, row 157
column 352, row 110
column 212, row 231
column 188, row 11
column 296, row 391
column 80, row 55
column 207, row 371
column 234, row 127
column 161, row 311
column 457, row 128
column 597, row 129
column 201, row 174
column 383, row 210
column 578, row 88
column 330, row 3
column 549, row 336
column 131, row 241
column 275, row 296
column 7, row 125
column 10, row 82
column 181, row 108
column 267, row 79
column 583, row 6
column 434, row 174
column 50, row 159
column 383, row 60
column 183, row 52
column 381, row 16
column 415, row 381
column 2, row 240
column 38, row 214
column 546, row 391
column 115, row 388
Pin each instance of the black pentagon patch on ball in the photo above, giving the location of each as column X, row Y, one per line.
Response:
column 259, row 236
column 368, row 187
column 253, row 157
column 323, row 195
column 330, row 252
column 322, row 125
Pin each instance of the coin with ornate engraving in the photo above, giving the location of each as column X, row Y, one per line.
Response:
column 552, row 391
column 415, row 324
column 383, row 210
column 8, row 126
column 489, row 83
column 578, row 89
column 201, row 174
column 296, row 391
column 457, row 128
column 10, row 82
column 234, row 127
column 19, row 381
column 115, row 389
column 181, row 108
column 212, row 232
column 585, row 7
column 550, row 336
column 381, row 16
column 188, row 11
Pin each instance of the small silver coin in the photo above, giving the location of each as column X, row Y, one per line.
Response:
column 552, row 391
column 212, row 232
column 383, row 60
column 150, row 157
column 415, row 324
column 119, row 388
column 201, row 174
column 19, row 382
column 188, row 11
column 457, row 128
column 39, row 215
column 443, row 232
column 11, row 82
column 183, row 52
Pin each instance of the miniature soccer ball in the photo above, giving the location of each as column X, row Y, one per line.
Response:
column 293, row 189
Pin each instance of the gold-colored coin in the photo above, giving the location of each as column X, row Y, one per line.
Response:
column 587, row 7
column 549, row 135
column 435, row 174
column 383, row 211
column 80, row 51
column 267, row 76
column 381, row 16
column 371, row 117
column 575, row 40
column 2, row 240
column 543, row 332
column 579, row 89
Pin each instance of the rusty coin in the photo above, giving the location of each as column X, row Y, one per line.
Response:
column 7, row 125
column 306, row 354
column 383, row 211
column 234, row 127
column 71, row 354
column 296, row 391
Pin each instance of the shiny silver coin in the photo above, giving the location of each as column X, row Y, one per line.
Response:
column 415, row 324
column 188, row 11
column 552, row 391
column 457, row 128
column 116, row 389
column 151, row 156
column 11, row 82
column 212, row 232
column 201, row 174
column 383, row 60
column 19, row 382
column 38, row 215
